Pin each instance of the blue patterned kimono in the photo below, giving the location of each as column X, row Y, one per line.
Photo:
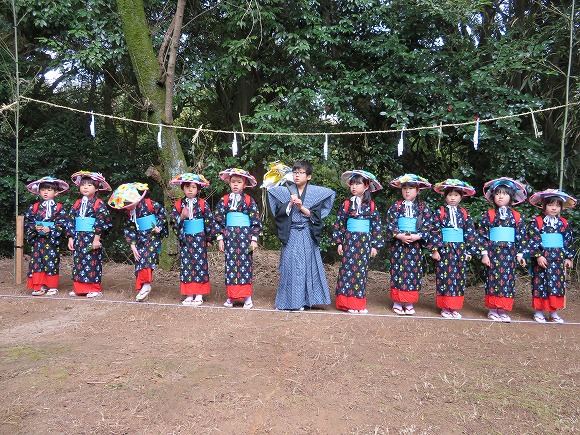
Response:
column 194, row 266
column 302, row 276
column 500, row 278
column 45, row 255
column 356, row 247
column 451, row 270
column 550, row 281
column 88, row 262
column 407, row 259
column 145, row 240
column 237, row 239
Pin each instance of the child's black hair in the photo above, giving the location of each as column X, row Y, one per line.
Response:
column 90, row 181
column 303, row 164
column 551, row 200
column 182, row 185
column 359, row 179
column 502, row 188
column 448, row 190
column 47, row 185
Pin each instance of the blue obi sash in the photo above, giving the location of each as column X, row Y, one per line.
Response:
column 502, row 234
column 452, row 235
column 146, row 223
column 237, row 219
column 86, row 224
column 552, row 240
column 358, row 225
column 407, row 224
column 193, row 226
column 45, row 223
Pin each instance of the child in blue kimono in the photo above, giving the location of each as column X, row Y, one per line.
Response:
column 408, row 225
column 502, row 239
column 88, row 220
column 43, row 226
column 551, row 247
column 192, row 221
column 238, row 225
column 145, row 226
column 455, row 242
column 357, row 234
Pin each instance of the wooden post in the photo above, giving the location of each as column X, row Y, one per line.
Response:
column 19, row 249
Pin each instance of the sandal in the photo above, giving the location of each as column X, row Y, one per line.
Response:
column 399, row 310
column 187, row 301
column 72, row 294
column 456, row 314
column 94, row 294
column 52, row 292
column 248, row 305
column 505, row 318
column 556, row 319
column 494, row 316
column 539, row 318
column 365, row 311
column 197, row 302
column 228, row 304
column 40, row 292
column 409, row 311
column 352, row 311
column 447, row 314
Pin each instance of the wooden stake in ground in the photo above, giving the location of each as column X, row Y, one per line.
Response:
column 18, row 250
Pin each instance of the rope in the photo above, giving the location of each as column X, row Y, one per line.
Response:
column 6, row 107
column 261, row 133
column 266, row 310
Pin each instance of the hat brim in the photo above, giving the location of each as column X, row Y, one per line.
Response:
column 34, row 187
column 466, row 191
column 226, row 175
column 520, row 194
column 421, row 185
column 373, row 183
column 78, row 176
column 183, row 181
column 568, row 201
column 126, row 206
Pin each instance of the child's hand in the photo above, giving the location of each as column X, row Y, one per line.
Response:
column 568, row 263
column 339, row 250
column 135, row 253
column 41, row 229
column 253, row 246
column 156, row 230
column 71, row 246
column 468, row 257
column 373, row 252
column 184, row 213
column 435, row 255
column 96, row 243
column 221, row 246
column 521, row 260
column 542, row 262
column 485, row 260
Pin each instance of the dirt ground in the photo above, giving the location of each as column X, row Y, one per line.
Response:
column 112, row 366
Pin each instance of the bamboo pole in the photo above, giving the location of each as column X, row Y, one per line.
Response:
column 19, row 250
column 18, row 247
column 565, row 126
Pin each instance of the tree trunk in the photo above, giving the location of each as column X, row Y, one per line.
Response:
column 154, row 94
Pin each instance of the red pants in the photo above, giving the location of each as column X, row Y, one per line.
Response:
column 402, row 296
column 450, row 302
column 495, row 302
column 553, row 303
column 346, row 303
column 239, row 291
column 38, row 279
column 194, row 288
column 83, row 288
column 144, row 276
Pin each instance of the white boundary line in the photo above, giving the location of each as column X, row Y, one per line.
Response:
column 266, row 310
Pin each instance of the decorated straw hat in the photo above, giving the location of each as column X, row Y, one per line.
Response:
column 60, row 185
column 374, row 183
column 421, row 182
column 189, row 177
column 519, row 188
column 567, row 201
column 250, row 180
column 127, row 195
column 465, row 188
column 78, row 176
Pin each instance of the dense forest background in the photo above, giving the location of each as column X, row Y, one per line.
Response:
column 287, row 67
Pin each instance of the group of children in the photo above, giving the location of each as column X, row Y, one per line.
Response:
column 501, row 238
